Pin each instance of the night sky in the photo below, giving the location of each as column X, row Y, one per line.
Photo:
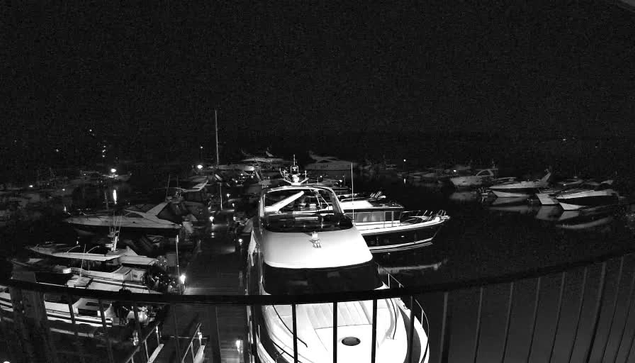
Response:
column 150, row 75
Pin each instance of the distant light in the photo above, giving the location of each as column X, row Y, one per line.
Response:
column 404, row 160
column 201, row 147
column 211, row 219
column 57, row 150
column 199, row 166
column 113, row 170
column 182, row 278
column 90, row 130
column 103, row 156
column 228, row 195
column 239, row 345
column 30, row 185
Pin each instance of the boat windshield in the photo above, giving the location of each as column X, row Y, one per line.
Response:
column 308, row 222
column 286, row 281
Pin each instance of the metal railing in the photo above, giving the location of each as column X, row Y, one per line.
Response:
column 577, row 312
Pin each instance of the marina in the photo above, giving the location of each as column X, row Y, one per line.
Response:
column 317, row 183
column 213, row 267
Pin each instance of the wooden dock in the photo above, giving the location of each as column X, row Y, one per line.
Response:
column 214, row 270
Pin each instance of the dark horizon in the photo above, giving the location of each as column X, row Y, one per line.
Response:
column 148, row 78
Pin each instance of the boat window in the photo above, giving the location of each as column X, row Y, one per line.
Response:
column 168, row 215
column 362, row 217
column 388, row 216
column 285, row 281
column 377, row 217
column 133, row 215
column 56, row 298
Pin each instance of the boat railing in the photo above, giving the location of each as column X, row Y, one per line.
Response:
column 195, row 346
column 418, row 215
column 577, row 311
column 412, row 302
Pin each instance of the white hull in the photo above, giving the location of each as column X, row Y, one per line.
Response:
column 546, row 199
column 510, row 194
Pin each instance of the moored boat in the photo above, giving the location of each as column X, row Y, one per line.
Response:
column 524, row 188
column 296, row 250
column 388, row 227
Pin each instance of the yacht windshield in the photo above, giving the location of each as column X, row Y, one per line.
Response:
column 308, row 222
column 285, row 281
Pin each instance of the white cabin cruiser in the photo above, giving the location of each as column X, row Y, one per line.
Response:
column 388, row 227
column 158, row 219
column 329, row 166
column 592, row 195
column 304, row 243
column 523, row 188
column 547, row 196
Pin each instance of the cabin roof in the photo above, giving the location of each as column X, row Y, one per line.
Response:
column 296, row 250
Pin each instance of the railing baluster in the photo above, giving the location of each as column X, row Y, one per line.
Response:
column 596, row 315
column 563, row 280
column 295, row 332
column 177, row 344
column 631, row 289
column 534, row 318
column 477, row 333
column 446, row 329
column 335, row 332
column 617, row 291
column 580, row 305
column 373, row 337
column 111, row 357
column 510, row 304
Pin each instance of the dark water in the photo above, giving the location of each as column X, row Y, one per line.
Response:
column 488, row 238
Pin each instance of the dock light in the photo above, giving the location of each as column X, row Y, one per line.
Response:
column 199, row 166
column 135, row 338
column 182, row 278
column 114, row 196
column 113, row 170
column 239, row 345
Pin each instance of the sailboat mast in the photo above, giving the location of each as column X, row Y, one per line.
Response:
column 216, row 128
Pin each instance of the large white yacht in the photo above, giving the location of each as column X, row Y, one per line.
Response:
column 303, row 243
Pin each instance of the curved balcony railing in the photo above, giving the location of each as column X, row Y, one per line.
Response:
column 577, row 312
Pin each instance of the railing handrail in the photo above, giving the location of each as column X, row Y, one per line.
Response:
column 313, row 298
column 190, row 342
